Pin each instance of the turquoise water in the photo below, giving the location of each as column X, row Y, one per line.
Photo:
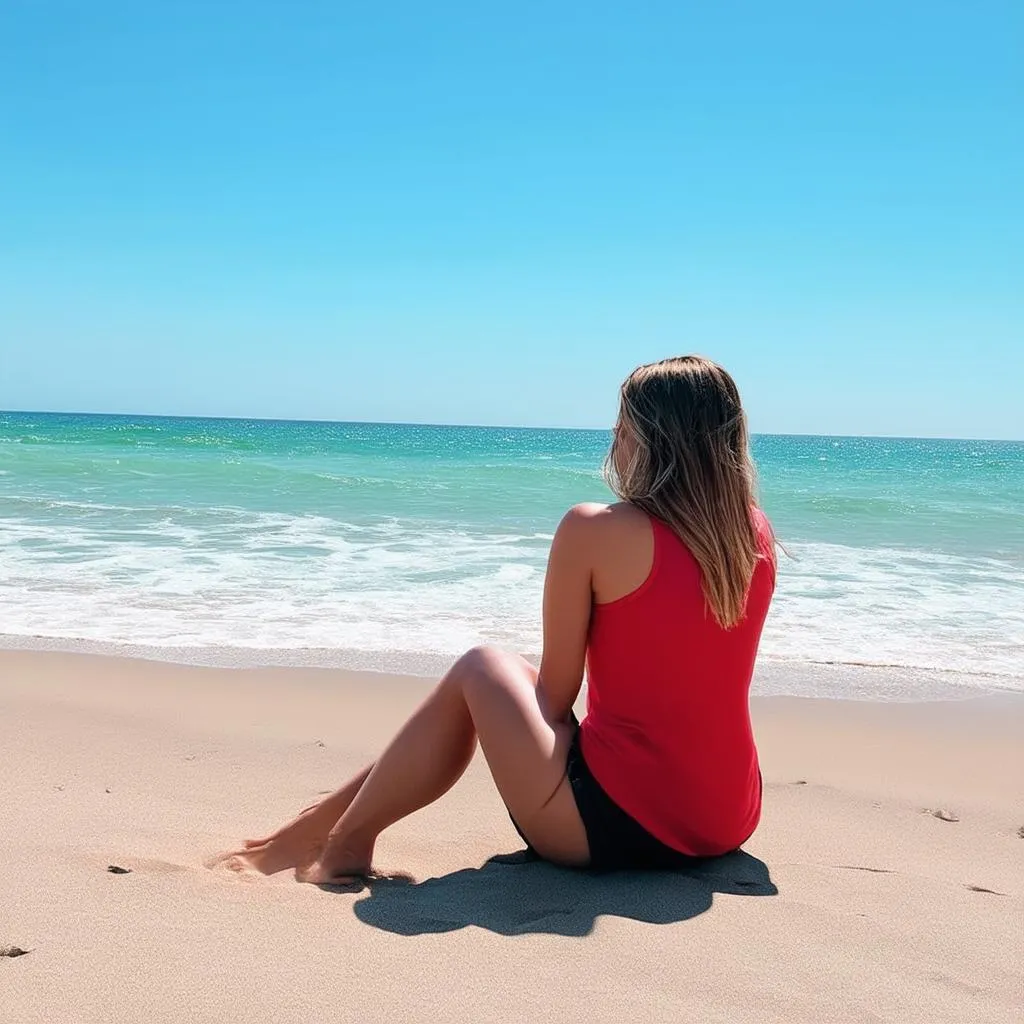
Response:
column 407, row 544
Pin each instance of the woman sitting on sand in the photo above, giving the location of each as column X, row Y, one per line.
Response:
column 662, row 596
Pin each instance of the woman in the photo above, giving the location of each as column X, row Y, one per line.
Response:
column 662, row 597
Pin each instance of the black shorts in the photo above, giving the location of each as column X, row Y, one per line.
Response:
column 616, row 840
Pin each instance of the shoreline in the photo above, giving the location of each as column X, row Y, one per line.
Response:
column 773, row 677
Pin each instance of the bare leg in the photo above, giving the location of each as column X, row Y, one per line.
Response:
column 489, row 694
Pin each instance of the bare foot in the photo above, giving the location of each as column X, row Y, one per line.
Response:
column 271, row 857
column 317, row 874
column 303, row 816
column 298, row 843
column 339, row 863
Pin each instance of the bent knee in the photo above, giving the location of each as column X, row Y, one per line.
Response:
column 486, row 659
column 485, row 667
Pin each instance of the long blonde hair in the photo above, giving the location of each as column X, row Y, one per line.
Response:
column 682, row 454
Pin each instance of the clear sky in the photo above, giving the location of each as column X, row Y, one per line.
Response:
column 489, row 213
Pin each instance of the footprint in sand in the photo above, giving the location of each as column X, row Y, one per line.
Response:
column 942, row 814
column 234, row 863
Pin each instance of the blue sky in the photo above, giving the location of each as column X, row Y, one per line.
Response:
column 490, row 213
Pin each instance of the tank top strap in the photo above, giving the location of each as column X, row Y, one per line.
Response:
column 662, row 532
column 662, row 535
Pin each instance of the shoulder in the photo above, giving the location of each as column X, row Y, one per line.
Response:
column 594, row 515
column 597, row 523
column 614, row 544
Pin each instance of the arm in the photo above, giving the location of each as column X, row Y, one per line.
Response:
column 568, row 599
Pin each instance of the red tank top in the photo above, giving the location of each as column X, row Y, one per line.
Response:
column 667, row 733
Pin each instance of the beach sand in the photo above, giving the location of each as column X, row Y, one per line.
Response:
column 852, row 903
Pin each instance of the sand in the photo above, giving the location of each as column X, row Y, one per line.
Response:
column 854, row 902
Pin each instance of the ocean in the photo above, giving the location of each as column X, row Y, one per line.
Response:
column 397, row 546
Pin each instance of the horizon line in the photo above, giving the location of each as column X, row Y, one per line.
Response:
column 469, row 426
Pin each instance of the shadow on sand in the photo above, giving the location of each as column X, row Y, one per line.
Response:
column 514, row 894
